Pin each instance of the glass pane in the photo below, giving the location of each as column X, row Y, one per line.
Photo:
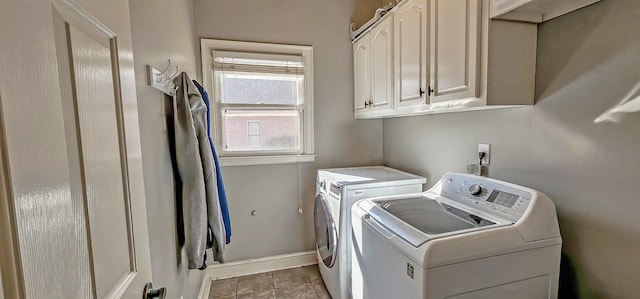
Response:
column 260, row 130
column 253, row 88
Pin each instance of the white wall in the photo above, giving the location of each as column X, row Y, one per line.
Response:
column 162, row 31
column 588, row 61
column 274, row 190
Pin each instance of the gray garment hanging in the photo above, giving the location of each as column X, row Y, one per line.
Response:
column 200, row 205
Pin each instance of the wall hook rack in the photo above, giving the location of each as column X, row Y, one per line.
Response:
column 161, row 80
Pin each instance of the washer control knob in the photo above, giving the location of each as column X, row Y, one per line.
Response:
column 475, row 189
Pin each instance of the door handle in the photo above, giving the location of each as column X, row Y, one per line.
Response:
column 150, row 293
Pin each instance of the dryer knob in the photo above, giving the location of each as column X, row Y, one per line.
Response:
column 475, row 189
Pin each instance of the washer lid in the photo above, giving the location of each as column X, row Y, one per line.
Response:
column 420, row 219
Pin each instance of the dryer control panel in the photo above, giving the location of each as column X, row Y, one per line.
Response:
column 498, row 198
column 328, row 187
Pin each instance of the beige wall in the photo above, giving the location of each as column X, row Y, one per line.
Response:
column 274, row 190
column 588, row 62
column 162, row 31
column 365, row 9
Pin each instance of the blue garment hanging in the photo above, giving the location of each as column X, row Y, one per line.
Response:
column 222, row 194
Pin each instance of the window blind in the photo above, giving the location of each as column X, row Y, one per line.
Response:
column 233, row 61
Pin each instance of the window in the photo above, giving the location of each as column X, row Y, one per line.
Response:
column 262, row 101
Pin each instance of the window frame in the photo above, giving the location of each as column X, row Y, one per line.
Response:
column 306, row 152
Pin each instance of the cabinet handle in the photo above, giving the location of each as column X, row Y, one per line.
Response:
column 370, row 103
column 366, row 104
column 429, row 91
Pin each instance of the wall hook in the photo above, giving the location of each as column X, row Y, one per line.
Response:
column 161, row 80
column 174, row 74
column 167, row 68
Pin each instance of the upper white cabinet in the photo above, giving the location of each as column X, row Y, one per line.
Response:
column 382, row 65
column 373, row 70
column 362, row 74
column 455, row 49
column 411, row 53
column 446, row 56
column 534, row 11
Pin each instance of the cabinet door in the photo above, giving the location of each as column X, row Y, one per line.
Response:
column 455, row 59
column 410, row 59
column 362, row 74
column 382, row 65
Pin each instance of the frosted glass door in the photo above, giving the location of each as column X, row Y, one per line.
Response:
column 72, row 149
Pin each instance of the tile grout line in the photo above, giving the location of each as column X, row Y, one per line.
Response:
column 273, row 282
column 307, row 281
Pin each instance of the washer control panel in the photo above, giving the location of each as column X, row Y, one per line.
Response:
column 502, row 200
column 475, row 189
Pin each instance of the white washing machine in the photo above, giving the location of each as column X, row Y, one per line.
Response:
column 336, row 191
column 467, row 237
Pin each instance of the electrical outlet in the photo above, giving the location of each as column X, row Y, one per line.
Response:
column 486, row 149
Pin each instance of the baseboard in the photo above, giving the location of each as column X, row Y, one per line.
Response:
column 254, row 266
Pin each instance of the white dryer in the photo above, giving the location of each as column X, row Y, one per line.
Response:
column 336, row 191
column 467, row 237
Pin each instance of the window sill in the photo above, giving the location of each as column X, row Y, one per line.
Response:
column 266, row 160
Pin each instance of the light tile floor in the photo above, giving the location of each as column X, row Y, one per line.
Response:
column 295, row 283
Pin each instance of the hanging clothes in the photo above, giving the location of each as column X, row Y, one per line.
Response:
column 222, row 193
column 201, row 211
